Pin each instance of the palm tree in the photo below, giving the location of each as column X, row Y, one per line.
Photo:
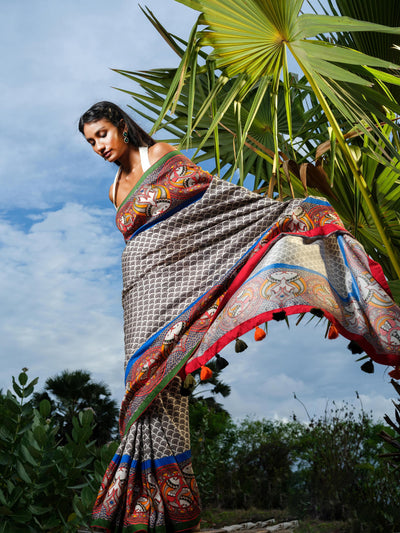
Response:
column 241, row 99
column 71, row 392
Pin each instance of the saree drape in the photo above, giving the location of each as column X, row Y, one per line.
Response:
column 205, row 261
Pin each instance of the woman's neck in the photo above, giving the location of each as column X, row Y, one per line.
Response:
column 130, row 161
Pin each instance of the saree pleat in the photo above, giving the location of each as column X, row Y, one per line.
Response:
column 206, row 261
column 150, row 485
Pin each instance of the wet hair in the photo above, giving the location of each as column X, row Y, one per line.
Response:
column 109, row 111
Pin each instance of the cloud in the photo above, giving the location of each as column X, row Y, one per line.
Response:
column 60, row 288
column 54, row 67
column 301, row 362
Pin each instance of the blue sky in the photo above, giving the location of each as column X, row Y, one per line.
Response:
column 60, row 281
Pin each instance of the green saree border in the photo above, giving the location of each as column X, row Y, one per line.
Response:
column 164, row 382
column 145, row 174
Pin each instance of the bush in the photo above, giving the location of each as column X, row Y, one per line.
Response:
column 339, row 474
column 45, row 486
column 329, row 469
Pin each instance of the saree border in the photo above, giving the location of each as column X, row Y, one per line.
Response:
column 161, row 161
column 156, row 391
column 245, row 273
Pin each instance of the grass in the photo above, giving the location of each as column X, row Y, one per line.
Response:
column 218, row 518
column 316, row 526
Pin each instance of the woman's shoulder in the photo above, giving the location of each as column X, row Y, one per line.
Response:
column 159, row 150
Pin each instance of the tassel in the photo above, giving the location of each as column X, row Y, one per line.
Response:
column 395, row 374
column 240, row 346
column 301, row 316
column 259, row 334
column 333, row 332
column 205, row 373
column 221, row 363
column 279, row 315
column 354, row 347
column 189, row 381
column 368, row 367
column 188, row 385
column 317, row 312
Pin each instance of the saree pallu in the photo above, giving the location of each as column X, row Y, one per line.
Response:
column 206, row 261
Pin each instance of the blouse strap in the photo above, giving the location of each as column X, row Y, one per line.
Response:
column 144, row 158
column 115, row 187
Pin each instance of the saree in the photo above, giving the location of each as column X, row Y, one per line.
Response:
column 206, row 261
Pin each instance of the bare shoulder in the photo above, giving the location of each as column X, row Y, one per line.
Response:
column 158, row 150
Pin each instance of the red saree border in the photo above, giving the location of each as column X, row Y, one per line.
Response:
column 241, row 329
column 244, row 327
column 377, row 272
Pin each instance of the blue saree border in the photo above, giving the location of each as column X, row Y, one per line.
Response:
column 163, row 461
column 166, row 215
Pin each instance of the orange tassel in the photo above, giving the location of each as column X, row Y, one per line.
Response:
column 205, row 373
column 333, row 332
column 395, row 374
column 259, row 334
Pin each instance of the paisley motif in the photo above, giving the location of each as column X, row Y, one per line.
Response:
column 151, row 200
column 284, row 284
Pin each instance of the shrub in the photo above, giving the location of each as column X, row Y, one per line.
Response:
column 45, row 486
column 340, row 475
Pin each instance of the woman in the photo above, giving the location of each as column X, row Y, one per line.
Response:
column 205, row 261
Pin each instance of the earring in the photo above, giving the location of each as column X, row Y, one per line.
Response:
column 126, row 137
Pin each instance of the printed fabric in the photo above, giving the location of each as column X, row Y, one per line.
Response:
column 206, row 261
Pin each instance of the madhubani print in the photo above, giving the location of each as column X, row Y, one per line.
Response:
column 149, row 374
column 179, row 183
column 174, row 263
column 176, row 269
column 299, row 274
column 150, row 484
column 205, row 261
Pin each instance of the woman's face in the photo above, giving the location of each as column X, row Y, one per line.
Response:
column 106, row 139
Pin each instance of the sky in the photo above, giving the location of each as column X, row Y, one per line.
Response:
column 60, row 279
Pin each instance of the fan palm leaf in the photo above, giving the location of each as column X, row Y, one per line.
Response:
column 241, row 104
column 257, row 142
column 252, row 39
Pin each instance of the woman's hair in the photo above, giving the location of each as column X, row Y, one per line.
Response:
column 107, row 110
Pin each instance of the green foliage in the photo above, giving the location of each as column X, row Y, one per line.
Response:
column 45, row 486
column 339, row 475
column 262, row 460
column 209, row 425
column 333, row 468
column 328, row 469
column 391, row 434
